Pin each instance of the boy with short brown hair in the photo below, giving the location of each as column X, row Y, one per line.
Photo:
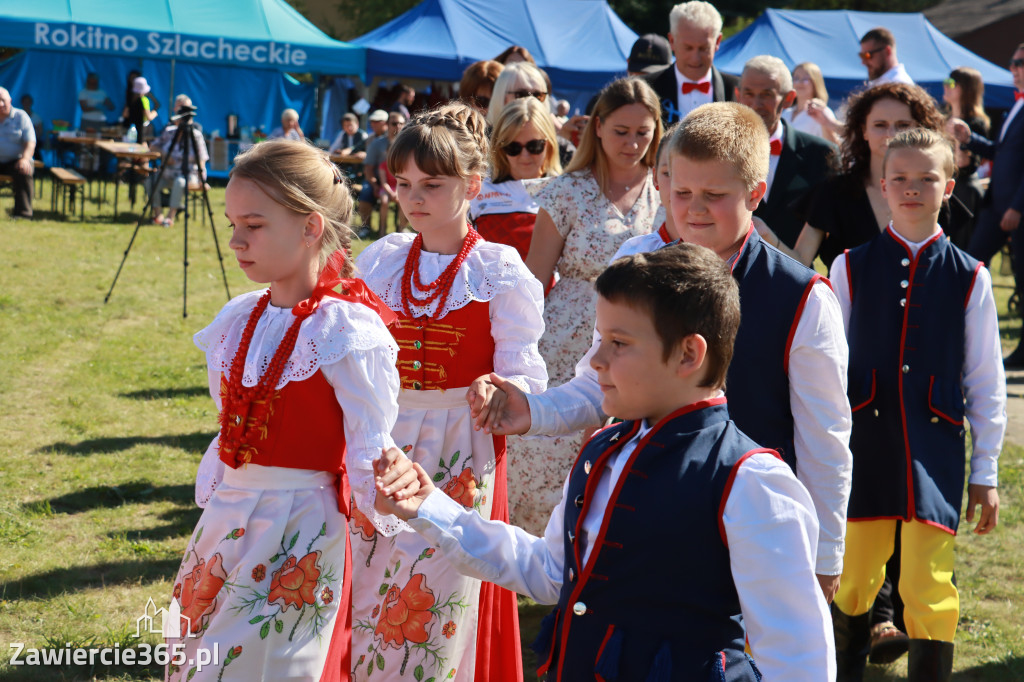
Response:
column 667, row 321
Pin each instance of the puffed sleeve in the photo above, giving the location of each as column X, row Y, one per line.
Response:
column 366, row 385
column 517, row 323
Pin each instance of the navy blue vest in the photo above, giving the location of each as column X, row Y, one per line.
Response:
column 656, row 599
column 773, row 289
column 906, row 337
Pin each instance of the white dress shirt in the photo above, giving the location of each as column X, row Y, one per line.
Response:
column 818, row 360
column 773, row 159
column 1017, row 104
column 694, row 98
column 769, row 522
column 984, row 382
column 896, row 74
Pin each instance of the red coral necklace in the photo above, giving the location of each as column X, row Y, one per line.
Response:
column 442, row 286
column 245, row 410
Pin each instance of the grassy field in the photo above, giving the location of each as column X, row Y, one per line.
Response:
column 104, row 414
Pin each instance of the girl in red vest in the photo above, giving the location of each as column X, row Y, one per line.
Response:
column 303, row 374
column 465, row 307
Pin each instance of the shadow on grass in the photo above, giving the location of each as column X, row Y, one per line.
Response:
column 1009, row 670
column 190, row 442
column 108, row 496
column 96, row 576
column 530, row 616
column 167, row 393
column 76, row 674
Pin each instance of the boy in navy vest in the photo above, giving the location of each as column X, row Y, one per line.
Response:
column 921, row 324
column 787, row 380
column 677, row 536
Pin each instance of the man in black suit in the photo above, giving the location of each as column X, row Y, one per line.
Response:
column 799, row 161
column 696, row 33
column 1000, row 216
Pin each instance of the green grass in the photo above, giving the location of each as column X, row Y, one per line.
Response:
column 104, row 415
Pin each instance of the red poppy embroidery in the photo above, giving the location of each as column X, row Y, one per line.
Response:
column 462, row 489
column 405, row 614
column 294, row 583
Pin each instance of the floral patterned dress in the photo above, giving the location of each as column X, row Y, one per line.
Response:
column 415, row 617
column 593, row 229
column 264, row 582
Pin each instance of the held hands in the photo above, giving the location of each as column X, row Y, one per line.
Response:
column 394, row 477
column 405, row 502
column 498, row 406
column 988, row 497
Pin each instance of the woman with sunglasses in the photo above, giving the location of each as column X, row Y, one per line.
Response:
column 964, row 92
column 518, row 80
column 606, row 195
column 523, row 148
column 477, row 84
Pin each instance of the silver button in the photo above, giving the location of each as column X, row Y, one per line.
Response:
column 935, row 420
column 905, row 368
column 903, row 303
column 586, row 467
column 905, row 262
column 416, row 364
column 876, row 413
column 579, row 501
column 572, row 538
column 904, row 284
column 572, row 575
column 579, row 608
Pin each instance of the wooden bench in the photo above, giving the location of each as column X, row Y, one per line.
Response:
column 66, row 182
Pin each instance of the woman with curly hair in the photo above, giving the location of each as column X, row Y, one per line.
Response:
column 848, row 209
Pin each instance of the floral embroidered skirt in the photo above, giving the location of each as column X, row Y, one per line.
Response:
column 414, row 617
column 262, row 586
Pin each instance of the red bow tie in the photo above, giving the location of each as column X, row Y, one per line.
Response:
column 704, row 87
column 1016, row 96
column 776, row 147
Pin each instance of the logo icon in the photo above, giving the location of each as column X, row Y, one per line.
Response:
column 168, row 623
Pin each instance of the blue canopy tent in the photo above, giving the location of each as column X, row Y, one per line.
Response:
column 831, row 39
column 229, row 57
column 581, row 44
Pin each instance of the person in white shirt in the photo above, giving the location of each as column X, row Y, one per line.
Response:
column 811, row 102
column 615, row 556
column 94, row 101
column 878, row 55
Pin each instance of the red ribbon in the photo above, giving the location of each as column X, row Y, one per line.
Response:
column 776, row 147
column 1018, row 95
column 704, row 87
column 352, row 289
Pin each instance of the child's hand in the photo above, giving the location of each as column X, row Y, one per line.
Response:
column 405, row 503
column 498, row 406
column 988, row 497
column 394, row 476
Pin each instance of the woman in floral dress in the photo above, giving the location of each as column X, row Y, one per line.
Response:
column 606, row 196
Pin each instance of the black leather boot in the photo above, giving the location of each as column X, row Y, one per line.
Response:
column 929, row 660
column 852, row 635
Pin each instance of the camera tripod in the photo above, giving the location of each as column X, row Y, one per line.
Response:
column 185, row 135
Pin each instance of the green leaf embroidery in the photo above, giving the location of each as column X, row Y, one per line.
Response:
column 418, row 673
column 369, row 668
column 383, row 589
column 273, row 558
column 323, row 529
column 455, row 458
column 440, row 463
column 398, row 565
column 256, row 619
column 438, row 476
column 380, row 662
column 191, row 674
column 199, row 533
column 265, row 630
column 278, row 625
column 291, row 543
column 387, row 572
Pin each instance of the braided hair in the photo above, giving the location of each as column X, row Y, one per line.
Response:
column 302, row 178
column 448, row 140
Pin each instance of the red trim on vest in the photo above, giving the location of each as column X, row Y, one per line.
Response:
column 931, row 384
column 663, row 233
column 722, row 654
column 728, row 487
column 911, row 503
column 796, row 318
column 970, row 289
column 750, row 231
column 849, row 274
column 870, row 397
column 600, row 650
column 933, row 524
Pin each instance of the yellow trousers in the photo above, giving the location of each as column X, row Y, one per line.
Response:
column 931, row 602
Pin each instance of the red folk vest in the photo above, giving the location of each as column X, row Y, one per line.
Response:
column 306, row 430
column 446, row 353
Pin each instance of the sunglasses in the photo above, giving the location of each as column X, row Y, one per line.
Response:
column 520, row 94
column 480, row 101
column 1016, row 63
column 949, row 83
column 533, row 147
column 868, row 54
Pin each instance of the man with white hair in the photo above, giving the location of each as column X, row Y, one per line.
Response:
column 17, row 145
column 798, row 162
column 692, row 80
